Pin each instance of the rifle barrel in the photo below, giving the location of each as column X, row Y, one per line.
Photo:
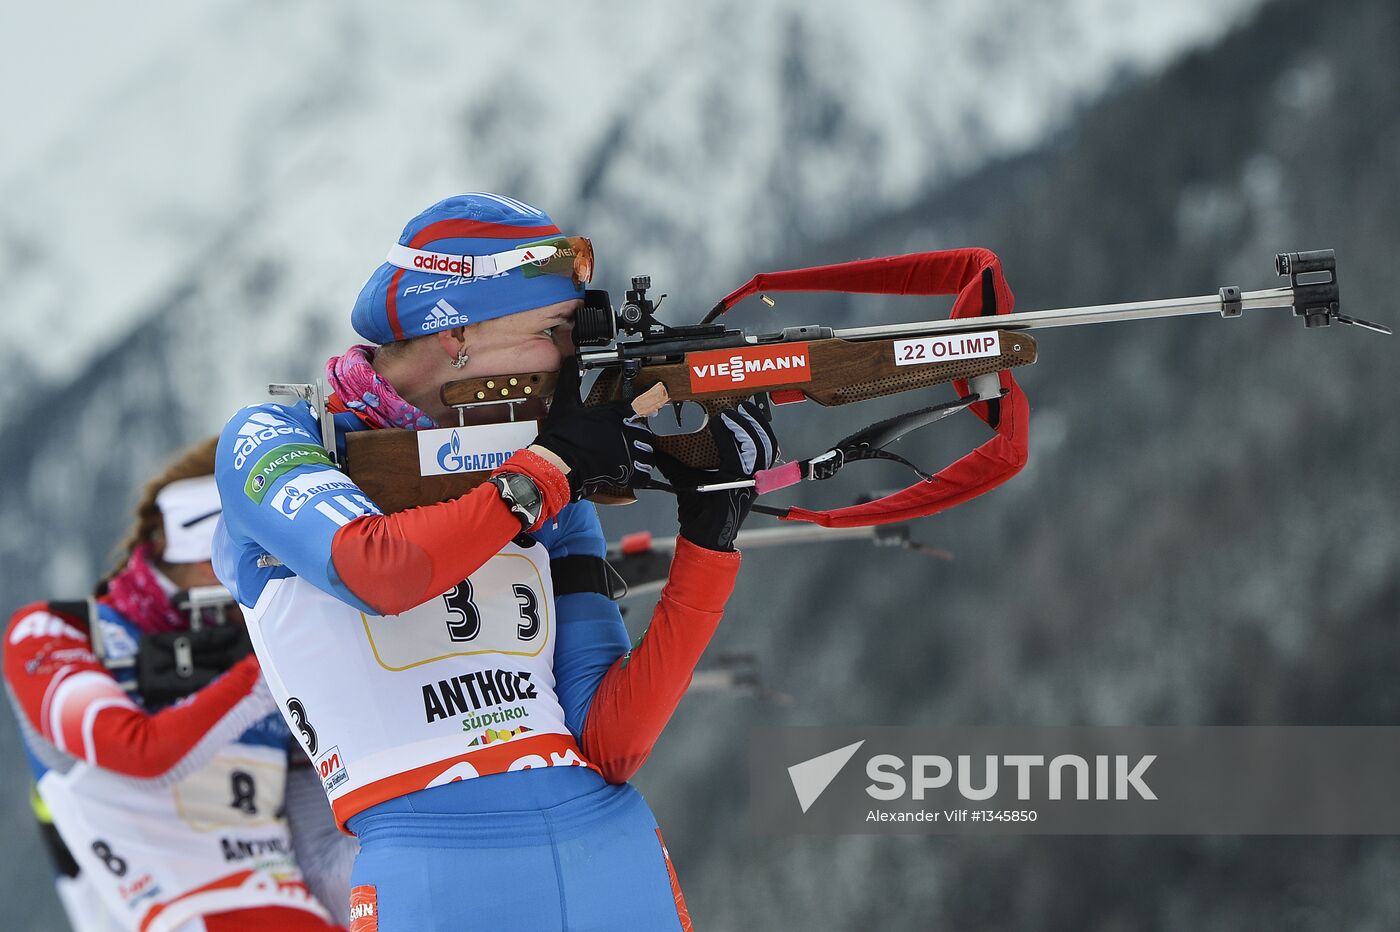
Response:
column 1074, row 316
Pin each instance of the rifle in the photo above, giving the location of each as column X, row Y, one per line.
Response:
column 707, row 366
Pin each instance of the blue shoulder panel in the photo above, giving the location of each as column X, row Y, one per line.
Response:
column 282, row 496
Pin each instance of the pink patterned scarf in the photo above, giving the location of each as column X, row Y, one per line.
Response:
column 364, row 391
column 137, row 594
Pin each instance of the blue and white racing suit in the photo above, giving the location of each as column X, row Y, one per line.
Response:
column 447, row 735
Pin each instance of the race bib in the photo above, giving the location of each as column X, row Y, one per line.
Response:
column 231, row 792
column 506, row 607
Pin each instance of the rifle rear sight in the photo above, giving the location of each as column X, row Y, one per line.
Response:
column 597, row 324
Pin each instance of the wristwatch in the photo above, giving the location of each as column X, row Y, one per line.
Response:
column 521, row 495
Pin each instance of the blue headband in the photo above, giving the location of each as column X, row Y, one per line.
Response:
column 401, row 303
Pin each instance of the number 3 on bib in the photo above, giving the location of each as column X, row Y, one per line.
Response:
column 504, row 608
column 529, row 611
column 464, row 618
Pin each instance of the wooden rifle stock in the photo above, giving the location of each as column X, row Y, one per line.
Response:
column 385, row 463
column 843, row 371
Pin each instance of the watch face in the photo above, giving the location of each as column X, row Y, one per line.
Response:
column 523, row 490
column 522, row 495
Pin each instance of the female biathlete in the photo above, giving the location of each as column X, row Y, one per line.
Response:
column 168, row 808
column 462, row 684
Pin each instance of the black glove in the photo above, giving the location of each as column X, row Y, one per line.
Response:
column 746, row 445
column 597, row 443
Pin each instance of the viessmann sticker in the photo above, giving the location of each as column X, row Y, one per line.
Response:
column 749, row 367
column 925, row 350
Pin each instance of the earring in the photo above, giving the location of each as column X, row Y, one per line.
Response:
column 461, row 359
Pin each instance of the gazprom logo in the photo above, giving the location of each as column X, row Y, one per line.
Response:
column 451, row 458
column 302, row 489
column 473, row 448
column 443, row 315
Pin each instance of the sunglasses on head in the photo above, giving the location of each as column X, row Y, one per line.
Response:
column 569, row 256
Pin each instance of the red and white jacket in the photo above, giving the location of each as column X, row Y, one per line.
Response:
column 176, row 816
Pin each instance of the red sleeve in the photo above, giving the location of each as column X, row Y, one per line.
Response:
column 394, row 562
column 639, row 693
column 75, row 704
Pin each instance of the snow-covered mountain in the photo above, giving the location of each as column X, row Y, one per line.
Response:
column 206, row 229
column 689, row 139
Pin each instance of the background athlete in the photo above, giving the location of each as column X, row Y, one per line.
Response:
column 172, row 812
column 454, row 670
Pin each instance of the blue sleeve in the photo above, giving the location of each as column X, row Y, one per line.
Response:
column 591, row 635
column 282, row 496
